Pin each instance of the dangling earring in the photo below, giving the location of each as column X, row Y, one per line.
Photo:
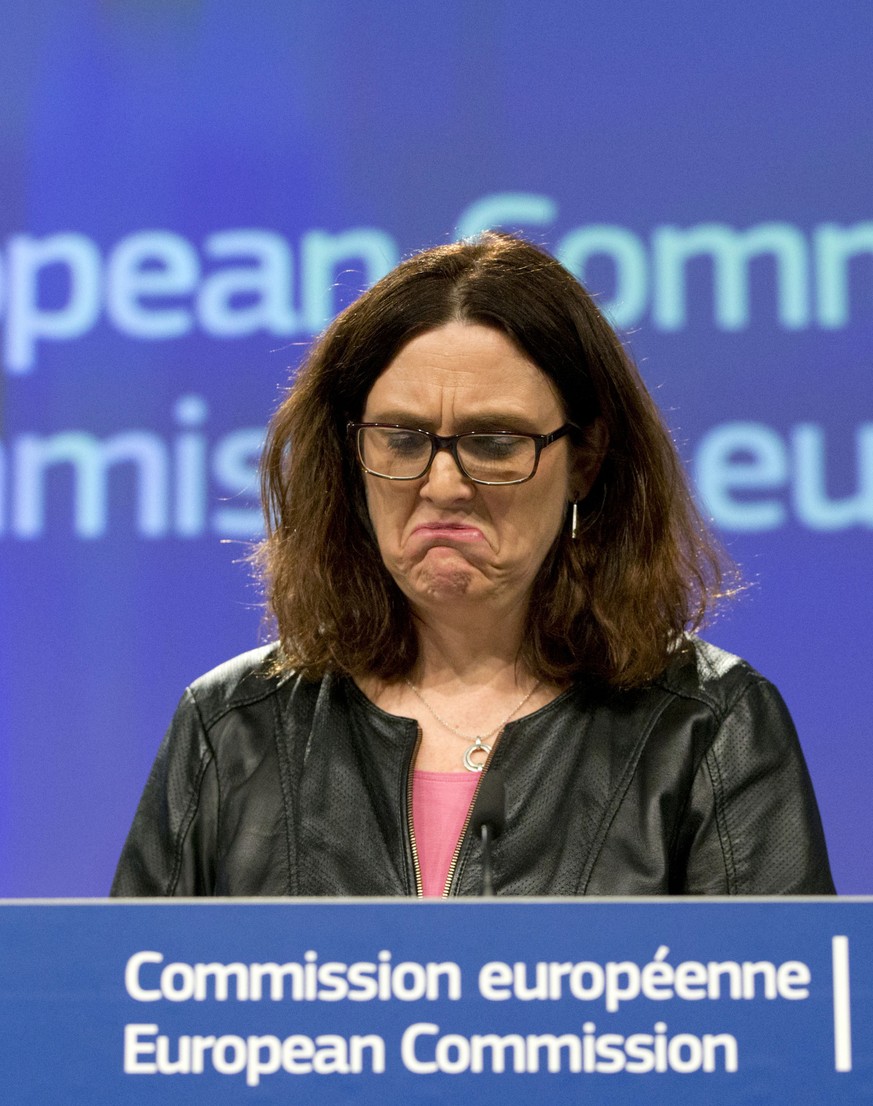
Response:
column 579, row 527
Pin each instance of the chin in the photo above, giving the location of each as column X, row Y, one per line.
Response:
column 447, row 584
column 441, row 582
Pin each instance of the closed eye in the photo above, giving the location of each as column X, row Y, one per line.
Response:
column 493, row 447
column 404, row 443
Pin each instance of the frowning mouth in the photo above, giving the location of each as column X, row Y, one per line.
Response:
column 447, row 532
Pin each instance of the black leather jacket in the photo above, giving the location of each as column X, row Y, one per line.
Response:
column 276, row 786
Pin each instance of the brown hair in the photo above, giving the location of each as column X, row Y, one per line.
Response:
column 612, row 604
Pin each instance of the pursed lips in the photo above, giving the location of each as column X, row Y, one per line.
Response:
column 449, row 532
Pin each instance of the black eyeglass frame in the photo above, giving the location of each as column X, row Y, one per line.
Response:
column 449, row 442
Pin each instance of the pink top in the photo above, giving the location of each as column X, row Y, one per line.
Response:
column 440, row 802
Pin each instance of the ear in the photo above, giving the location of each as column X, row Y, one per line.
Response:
column 588, row 459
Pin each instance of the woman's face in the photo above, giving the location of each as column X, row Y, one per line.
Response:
column 444, row 539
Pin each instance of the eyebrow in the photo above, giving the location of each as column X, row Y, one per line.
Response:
column 485, row 421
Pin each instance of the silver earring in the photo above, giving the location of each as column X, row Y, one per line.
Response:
column 577, row 529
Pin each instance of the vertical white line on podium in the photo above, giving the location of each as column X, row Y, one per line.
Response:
column 842, row 1004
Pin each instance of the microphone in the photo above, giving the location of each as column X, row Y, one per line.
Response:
column 489, row 818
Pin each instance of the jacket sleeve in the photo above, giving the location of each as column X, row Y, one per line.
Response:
column 752, row 824
column 170, row 849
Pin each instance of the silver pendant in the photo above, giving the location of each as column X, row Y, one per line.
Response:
column 477, row 746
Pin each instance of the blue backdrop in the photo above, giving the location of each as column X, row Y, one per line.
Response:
column 190, row 190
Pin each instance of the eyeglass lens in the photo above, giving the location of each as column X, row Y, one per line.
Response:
column 405, row 454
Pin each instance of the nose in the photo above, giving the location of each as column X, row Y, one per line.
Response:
column 444, row 479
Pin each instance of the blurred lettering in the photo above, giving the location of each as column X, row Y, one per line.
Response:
column 152, row 265
column 731, row 252
column 835, row 246
column 158, row 285
column 244, row 299
column 752, row 478
column 49, row 482
column 734, row 460
column 29, row 261
column 321, row 256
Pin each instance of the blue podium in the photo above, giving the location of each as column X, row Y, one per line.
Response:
column 500, row 1001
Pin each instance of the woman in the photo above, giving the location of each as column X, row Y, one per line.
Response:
column 480, row 553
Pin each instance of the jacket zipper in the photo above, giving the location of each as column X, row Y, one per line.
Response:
column 419, row 886
column 457, row 853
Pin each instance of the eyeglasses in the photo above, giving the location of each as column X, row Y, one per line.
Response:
column 497, row 457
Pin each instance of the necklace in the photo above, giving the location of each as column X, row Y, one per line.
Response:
column 477, row 744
